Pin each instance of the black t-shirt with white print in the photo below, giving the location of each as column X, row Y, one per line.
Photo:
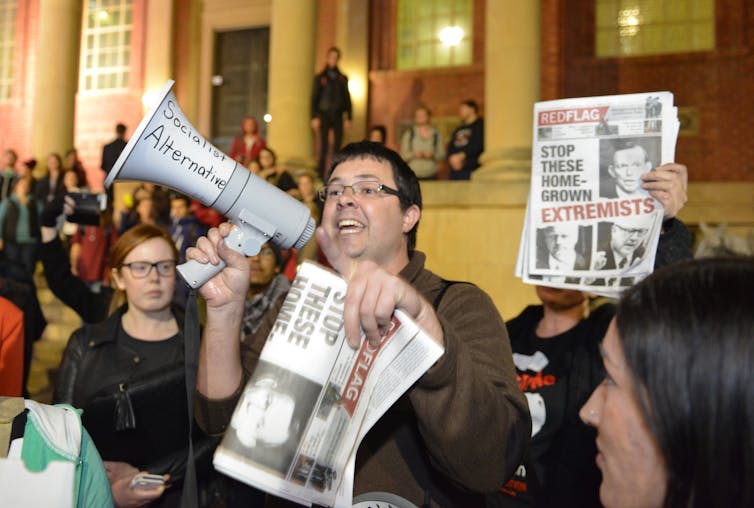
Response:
column 557, row 375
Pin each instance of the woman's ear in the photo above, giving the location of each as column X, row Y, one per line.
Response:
column 117, row 279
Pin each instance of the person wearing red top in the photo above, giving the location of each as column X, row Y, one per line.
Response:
column 206, row 215
column 11, row 349
column 90, row 248
column 246, row 146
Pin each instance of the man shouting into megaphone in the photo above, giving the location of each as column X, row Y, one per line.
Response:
column 442, row 440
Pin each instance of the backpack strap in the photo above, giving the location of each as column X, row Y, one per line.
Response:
column 411, row 452
column 10, row 407
column 192, row 334
column 435, row 138
column 447, row 284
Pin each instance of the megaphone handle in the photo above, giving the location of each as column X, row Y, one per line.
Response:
column 243, row 238
column 196, row 274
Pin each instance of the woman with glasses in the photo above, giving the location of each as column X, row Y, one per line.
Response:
column 127, row 373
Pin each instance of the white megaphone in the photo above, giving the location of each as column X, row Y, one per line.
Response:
column 166, row 149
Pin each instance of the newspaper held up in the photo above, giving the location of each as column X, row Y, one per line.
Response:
column 312, row 398
column 589, row 225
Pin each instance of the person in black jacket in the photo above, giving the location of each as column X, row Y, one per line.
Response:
column 50, row 186
column 90, row 306
column 466, row 143
column 111, row 152
column 7, row 172
column 128, row 374
column 330, row 101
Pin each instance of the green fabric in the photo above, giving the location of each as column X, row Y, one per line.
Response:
column 91, row 487
column 22, row 228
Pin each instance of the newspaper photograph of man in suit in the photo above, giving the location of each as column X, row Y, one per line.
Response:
column 623, row 161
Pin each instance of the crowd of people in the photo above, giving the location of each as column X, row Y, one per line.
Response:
column 540, row 411
column 421, row 144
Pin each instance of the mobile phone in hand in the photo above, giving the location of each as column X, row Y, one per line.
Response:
column 146, row 481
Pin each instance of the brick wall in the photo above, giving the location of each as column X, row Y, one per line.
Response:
column 96, row 118
column 15, row 114
column 97, row 113
column 394, row 95
column 716, row 84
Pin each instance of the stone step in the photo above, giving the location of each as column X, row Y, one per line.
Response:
column 48, row 350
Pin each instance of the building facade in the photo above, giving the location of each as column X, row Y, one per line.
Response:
column 70, row 70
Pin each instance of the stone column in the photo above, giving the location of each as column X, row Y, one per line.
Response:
column 511, row 84
column 352, row 37
column 292, row 32
column 158, row 49
column 56, row 81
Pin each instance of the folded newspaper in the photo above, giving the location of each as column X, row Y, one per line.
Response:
column 589, row 225
column 312, row 398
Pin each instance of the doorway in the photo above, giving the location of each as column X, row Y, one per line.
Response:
column 239, row 82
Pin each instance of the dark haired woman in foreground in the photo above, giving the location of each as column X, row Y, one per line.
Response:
column 675, row 414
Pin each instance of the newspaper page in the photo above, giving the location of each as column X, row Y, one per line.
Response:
column 589, row 225
column 312, row 398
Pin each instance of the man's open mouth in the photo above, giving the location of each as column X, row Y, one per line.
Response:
column 350, row 226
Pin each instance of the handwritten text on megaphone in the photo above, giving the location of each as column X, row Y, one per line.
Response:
column 168, row 145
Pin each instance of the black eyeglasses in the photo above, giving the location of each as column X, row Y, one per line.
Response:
column 365, row 189
column 632, row 231
column 140, row 269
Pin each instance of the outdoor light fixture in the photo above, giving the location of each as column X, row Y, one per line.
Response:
column 357, row 89
column 149, row 99
column 629, row 21
column 451, row 35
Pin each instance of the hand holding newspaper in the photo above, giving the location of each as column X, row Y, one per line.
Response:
column 589, row 225
column 312, row 397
